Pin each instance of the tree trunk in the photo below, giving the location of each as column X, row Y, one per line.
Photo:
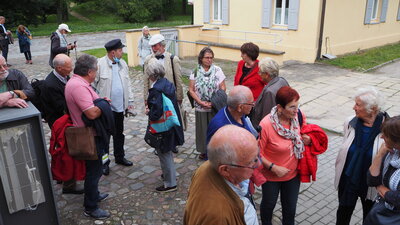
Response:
column 184, row 4
column 62, row 11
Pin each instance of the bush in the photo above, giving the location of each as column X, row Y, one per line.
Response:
column 133, row 11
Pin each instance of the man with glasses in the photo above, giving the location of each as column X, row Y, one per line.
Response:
column 218, row 192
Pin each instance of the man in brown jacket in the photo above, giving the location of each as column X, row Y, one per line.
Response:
column 218, row 193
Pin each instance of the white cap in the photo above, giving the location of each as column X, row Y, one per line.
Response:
column 64, row 26
column 155, row 39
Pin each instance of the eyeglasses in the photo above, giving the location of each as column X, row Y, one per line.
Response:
column 208, row 57
column 293, row 107
column 250, row 104
column 4, row 66
column 255, row 161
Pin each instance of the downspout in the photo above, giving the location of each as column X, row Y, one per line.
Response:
column 321, row 30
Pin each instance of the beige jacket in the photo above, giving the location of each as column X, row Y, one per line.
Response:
column 168, row 75
column 104, row 78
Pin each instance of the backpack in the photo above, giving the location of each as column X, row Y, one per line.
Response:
column 38, row 86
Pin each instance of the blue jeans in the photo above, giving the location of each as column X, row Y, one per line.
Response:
column 289, row 194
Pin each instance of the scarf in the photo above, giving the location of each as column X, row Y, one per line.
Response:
column 392, row 159
column 291, row 133
column 206, row 82
column 354, row 168
column 63, row 41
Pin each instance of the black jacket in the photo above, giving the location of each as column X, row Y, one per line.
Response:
column 16, row 80
column 55, row 48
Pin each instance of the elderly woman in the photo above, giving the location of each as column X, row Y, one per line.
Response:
column 144, row 49
column 247, row 69
column 281, row 147
column 360, row 144
column 384, row 174
column 269, row 72
column 24, row 41
column 205, row 80
column 170, row 139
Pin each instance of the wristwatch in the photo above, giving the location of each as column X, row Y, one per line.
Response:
column 12, row 94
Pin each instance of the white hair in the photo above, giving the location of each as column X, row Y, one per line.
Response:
column 154, row 69
column 268, row 65
column 371, row 97
column 145, row 28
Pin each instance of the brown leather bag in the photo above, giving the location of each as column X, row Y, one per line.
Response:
column 80, row 143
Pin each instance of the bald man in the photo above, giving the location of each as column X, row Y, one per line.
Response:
column 218, row 192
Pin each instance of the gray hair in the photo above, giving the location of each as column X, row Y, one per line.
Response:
column 237, row 96
column 370, row 97
column 221, row 154
column 154, row 69
column 268, row 65
column 145, row 28
column 84, row 64
column 163, row 43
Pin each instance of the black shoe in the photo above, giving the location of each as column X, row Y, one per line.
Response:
column 166, row 189
column 75, row 191
column 175, row 150
column 97, row 214
column 123, row 162
column 106, row 170
column 102, row 197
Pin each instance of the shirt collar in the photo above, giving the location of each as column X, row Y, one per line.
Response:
column 76, row 76
column 61, row 78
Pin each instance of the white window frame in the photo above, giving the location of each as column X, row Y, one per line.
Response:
column 219, row 10
column 375, row 7
column 283, row 13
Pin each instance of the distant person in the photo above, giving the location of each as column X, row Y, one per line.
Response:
column 269, row 72
column 219, row 187
column 144, row 49
column 247, row 69
column 205, row 81
column 24, row 41
column 112, row 81
column 4, row 38
column 59, row 42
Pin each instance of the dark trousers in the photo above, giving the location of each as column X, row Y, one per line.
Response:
column 28, row 55
column 347, row 203
column 93, row 174
column 119, row 137
column 289, row 194
column 4, row 49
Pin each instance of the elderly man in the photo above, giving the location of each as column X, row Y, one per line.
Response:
column 112, row 81
column 16, row 83
column 144, row 48
column 269, row 72
column 59, row 42
column 53, row 94
column 79, row 96
column 240, row 103
column 171, row 65
column 4, row 38
column 218, row 192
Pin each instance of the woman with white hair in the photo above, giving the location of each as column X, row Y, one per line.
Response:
column 362, row 139
column 269, row 72
column 144, row 49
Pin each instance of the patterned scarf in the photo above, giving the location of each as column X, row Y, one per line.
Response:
column 291, row 133
column 63, row 41
column 206, row 83
column 392, row 159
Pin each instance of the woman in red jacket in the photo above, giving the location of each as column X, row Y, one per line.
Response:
column 247, row 70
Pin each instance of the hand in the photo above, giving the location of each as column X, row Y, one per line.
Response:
column 206, row 105
column 107, row 99
column 306, row 139
column 147, row 110
column 17, row 102
column 280, row 171
column 383, row 150
column 382, row 190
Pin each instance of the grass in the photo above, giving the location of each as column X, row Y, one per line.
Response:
column 366, row 59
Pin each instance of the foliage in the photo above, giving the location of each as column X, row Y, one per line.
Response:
column 139, row 10
column 366, row 59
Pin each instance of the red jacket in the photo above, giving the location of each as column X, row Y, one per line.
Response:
column 63, row 166
column 252, row 80
column 319, row 143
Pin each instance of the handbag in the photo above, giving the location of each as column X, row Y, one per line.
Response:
column 153, row 140
column 191, row 99
column 168, row 119
column 80, row 143
column 379, row 214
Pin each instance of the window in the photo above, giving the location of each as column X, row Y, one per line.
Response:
column 375, row 11
column 217, row 12
column 281, row 12
column 374, row 14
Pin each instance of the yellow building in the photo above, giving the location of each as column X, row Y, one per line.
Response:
column 285, row 29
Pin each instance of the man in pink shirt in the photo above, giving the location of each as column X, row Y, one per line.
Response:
column 79, row 96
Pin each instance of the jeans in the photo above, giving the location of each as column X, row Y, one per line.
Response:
column 289, row 194
column 28, row 55
column 167, row 167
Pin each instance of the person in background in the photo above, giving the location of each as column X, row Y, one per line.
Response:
column 4, row 38
column 205, row 80
column 361, row 141
column 269, row 72
column 247, row 69
column 24, row 41
column 144, row 49
column 59, row 42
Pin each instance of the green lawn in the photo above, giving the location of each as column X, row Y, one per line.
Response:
column 366, row 59
column 100, row 52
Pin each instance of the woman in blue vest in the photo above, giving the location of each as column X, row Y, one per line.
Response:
column 24, row 41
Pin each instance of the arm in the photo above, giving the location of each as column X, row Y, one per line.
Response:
column 92, row 113
column 222, row 86
column 55, row 46
column 24, row 85
column 178, row 77
column 146, row 82
column 192, row 92
column 155, row 104
column 139, row 46
column 4, row 97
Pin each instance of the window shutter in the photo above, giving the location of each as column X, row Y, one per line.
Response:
column 398, row 13
column 206, row 11
column 368, row 12
column 225, row 12
column 266, row 14
column 384, row 10
column 293, row 17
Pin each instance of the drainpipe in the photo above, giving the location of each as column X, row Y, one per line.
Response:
column 321, row 30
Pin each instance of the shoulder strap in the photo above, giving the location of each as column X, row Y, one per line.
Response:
column 173, row 70
column 300, row 117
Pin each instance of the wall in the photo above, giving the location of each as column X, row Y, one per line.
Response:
column 132, row 37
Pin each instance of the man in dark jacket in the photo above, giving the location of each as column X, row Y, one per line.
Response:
column 59, row 43
column 53, row 94
column 4, row 38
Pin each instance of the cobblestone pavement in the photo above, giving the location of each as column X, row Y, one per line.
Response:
column 326, row 100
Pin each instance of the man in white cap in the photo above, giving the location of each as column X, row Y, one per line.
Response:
column 171, row 65
column 59, row 42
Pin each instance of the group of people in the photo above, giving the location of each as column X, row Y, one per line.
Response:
column 254, row 135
